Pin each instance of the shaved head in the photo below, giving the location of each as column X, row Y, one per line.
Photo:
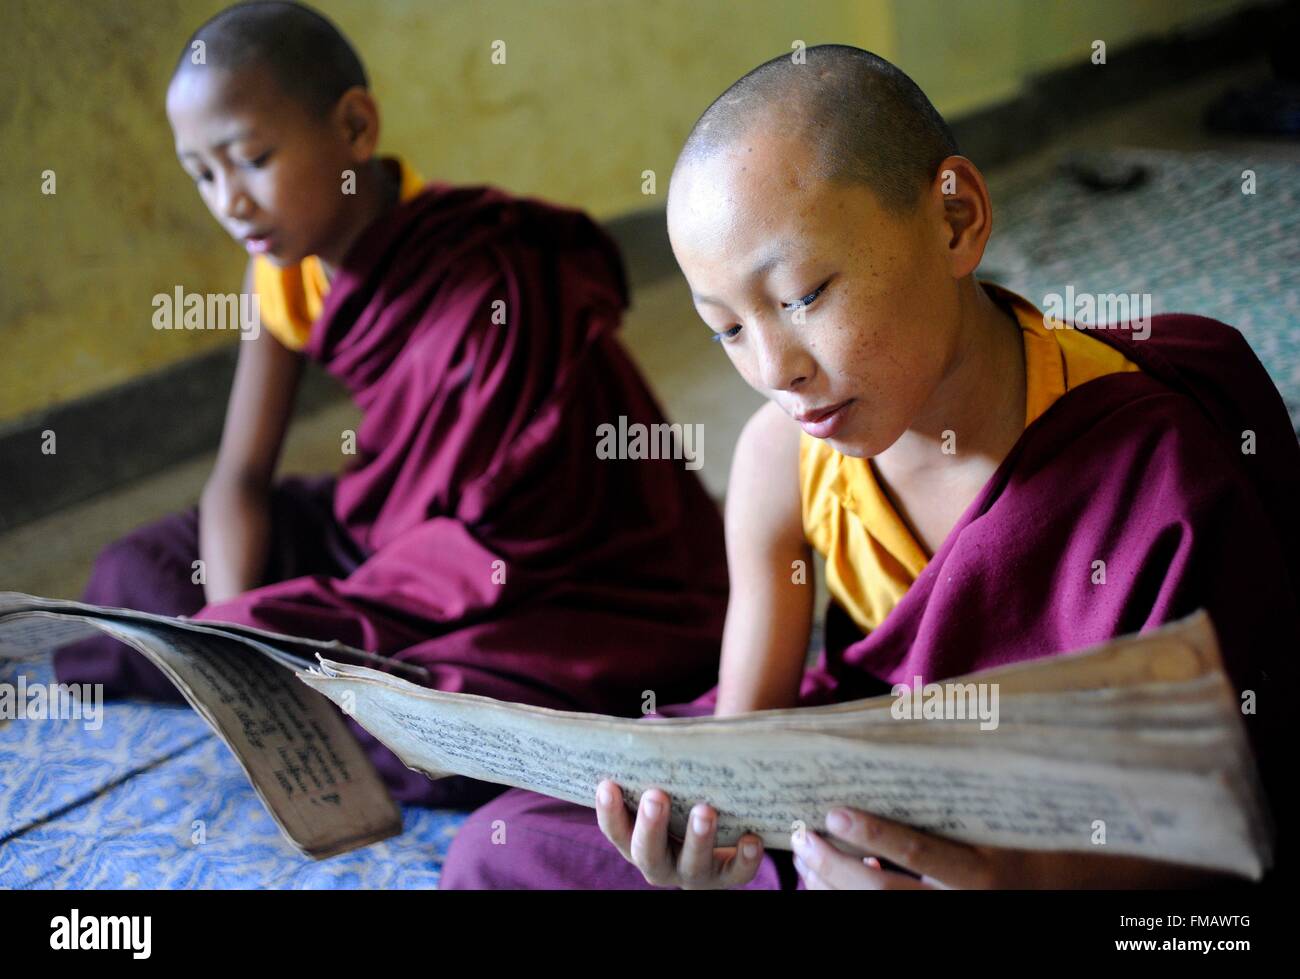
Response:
column 308, row 56
column 864, row 120
column 826, row 251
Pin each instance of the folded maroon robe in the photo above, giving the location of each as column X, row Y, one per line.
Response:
column 1144, row 471
column 493, row 547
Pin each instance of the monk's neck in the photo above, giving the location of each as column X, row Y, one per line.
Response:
column 377, row 192
column 977, row 413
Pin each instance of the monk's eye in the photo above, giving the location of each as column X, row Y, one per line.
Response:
column 730, row 334
column 258, row 162
column 807, row 300
column 201, row 178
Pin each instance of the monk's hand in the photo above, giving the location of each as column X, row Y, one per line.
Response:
column 940, row 863
column 695, row 863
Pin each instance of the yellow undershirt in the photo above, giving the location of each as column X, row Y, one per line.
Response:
column 871, row 556
column 291, row 298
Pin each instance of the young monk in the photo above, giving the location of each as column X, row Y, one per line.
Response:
column 830, row 233
column 476, row 533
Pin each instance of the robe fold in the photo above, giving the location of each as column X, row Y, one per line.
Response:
column 489, row 543
column 1183, row 480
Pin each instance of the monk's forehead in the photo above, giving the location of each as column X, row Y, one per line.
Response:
column 754, row 177
column 212, row 91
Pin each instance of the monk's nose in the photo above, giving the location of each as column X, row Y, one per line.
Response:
column 782, row 365
column 232, row 200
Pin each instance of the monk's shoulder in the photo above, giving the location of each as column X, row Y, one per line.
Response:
column 1132, row 429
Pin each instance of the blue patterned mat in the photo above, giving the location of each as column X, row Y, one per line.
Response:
column 1188, row 236
column 154, row 799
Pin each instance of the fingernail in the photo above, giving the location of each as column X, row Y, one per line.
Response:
column 604, row 796
column 800, row 842
column 700, row 823
column 839, row 821
column 749, row 850
column 651, row 807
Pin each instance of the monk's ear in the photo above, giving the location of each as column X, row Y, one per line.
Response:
column 357, row 116
column 959, row 189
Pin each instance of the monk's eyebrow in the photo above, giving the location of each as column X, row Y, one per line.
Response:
column 237, row 138
column 776, row 256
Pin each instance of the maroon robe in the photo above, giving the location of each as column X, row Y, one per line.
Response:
column 476, row 533
column 1144, row 471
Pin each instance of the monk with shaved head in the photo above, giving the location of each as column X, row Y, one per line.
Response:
column 475, row 532
column 986, row 484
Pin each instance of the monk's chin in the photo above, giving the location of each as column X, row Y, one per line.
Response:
column 861, row 445
column 283, row 261
column 848, row 446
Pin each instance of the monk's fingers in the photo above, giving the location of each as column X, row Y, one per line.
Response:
column 813, row 880
column 849, row 825
column 875, row 879
column 695, row 863
column 741, row 862
column 649, row 847
column 823, row 868
column 823, row 865
column 613, row 818
column 953, row 864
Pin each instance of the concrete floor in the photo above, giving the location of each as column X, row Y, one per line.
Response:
column 52, row 556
